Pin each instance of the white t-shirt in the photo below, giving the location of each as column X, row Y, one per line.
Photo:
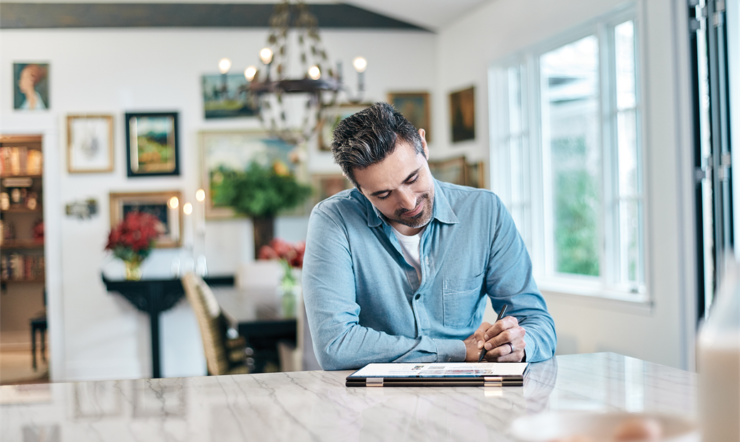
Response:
column 410, row 249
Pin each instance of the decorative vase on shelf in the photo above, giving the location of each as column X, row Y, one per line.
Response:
column 133, row 269
column 132, row 240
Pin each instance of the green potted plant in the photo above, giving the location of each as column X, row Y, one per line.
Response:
column 259, row 192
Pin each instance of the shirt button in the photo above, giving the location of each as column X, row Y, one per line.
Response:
column 418, row 296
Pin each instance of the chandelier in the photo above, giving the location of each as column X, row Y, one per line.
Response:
column 281, row 98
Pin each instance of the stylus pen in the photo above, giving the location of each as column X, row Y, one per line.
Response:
column 500, row 315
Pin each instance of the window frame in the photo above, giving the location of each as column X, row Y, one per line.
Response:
column 608, row 284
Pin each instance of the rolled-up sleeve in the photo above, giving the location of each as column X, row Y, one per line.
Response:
column 509, row 281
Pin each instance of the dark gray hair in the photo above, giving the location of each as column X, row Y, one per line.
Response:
column 369, row 136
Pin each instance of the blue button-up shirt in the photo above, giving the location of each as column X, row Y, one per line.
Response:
column 365, row 303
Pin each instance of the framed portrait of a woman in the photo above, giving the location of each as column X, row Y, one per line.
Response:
column 31, row 86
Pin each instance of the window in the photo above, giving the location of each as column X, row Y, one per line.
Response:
column 566, row 155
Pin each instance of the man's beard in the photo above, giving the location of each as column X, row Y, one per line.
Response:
column 422, row 218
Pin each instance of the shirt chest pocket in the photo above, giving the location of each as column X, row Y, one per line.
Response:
column 461, row 299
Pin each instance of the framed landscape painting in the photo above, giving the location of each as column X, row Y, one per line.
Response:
column 227, row 96
column 326, row 185
column 462, row 114
column 234, row 150
column 475, row 175
column 89, row 143
column 152, row 145
column 451, row 170
column 414, row 106
column 165, row 206
column 330, row 117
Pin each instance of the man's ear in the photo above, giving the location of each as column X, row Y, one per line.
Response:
column 424, row 146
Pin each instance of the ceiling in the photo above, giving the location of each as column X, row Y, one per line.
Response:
column 429, row 14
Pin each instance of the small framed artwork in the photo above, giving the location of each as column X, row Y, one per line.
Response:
column 227, row 96
column 331, row 117
column 475, row 175
column 31, row 86
column 462, row 114
column 221, row 151
column 451, row 170
column 414, row 106
column 326, row 185
column 89, row 143
column 152, row 145
column 165, row 206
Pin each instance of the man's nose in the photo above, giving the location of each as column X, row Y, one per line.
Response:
column 407, row 199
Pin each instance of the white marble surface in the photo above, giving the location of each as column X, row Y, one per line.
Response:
column 316, row 406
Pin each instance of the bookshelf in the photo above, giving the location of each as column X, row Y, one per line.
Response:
column 21, row 210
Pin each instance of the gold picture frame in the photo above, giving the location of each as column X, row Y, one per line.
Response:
column 328, row 184
column 165, row 205
column 330, row 117
column 90, row 143
column 414, row 106
column 475, row 175
column 451, row 170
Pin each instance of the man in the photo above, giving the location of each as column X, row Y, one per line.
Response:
column 397, row 269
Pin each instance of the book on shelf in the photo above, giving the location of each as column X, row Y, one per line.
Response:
column 16, row 161
column 19, row 267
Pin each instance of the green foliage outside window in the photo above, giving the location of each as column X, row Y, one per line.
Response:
column 576, row 209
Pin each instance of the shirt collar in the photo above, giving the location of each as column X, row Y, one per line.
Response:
column 441, row 210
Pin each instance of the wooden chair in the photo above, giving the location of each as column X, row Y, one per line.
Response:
column 225, row 351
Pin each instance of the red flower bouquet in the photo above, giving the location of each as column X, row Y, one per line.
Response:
column 289, row 255
column 133, row 239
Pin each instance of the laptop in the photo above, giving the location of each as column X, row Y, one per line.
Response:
column 450, row 374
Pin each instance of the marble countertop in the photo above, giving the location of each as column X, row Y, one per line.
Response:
column 316, row 406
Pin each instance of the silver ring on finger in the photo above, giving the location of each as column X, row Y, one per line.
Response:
column 511, row 347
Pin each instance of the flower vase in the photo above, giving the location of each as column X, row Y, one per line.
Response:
column 133, row 269
column 289, row 299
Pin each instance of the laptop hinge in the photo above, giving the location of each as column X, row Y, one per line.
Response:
column 374, row 382
column 493, row 381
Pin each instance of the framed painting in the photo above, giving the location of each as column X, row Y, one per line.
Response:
column 152, row 144
column 451, row 170
column 234, row 150
column 31, row 86
column 89, row 143
column 165, row 206
column 475, row 175
column 227, row 96
column 330, row 117
column 414, row 106
column 326, row 185
column 462, row 114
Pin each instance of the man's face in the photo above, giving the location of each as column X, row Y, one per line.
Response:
column 401, row 187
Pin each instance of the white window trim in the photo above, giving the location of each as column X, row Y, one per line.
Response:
column 570, row 286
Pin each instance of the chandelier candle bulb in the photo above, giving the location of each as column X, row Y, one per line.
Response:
column 250, row 72
column 314, row 72
column 224, row 65
column 174, row 202
column 360, row 64
column 266, row 55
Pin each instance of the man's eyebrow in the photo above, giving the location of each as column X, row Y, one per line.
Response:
column 388, row 190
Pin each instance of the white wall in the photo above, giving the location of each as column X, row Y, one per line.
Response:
column 98, row 335
column 501, row 28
